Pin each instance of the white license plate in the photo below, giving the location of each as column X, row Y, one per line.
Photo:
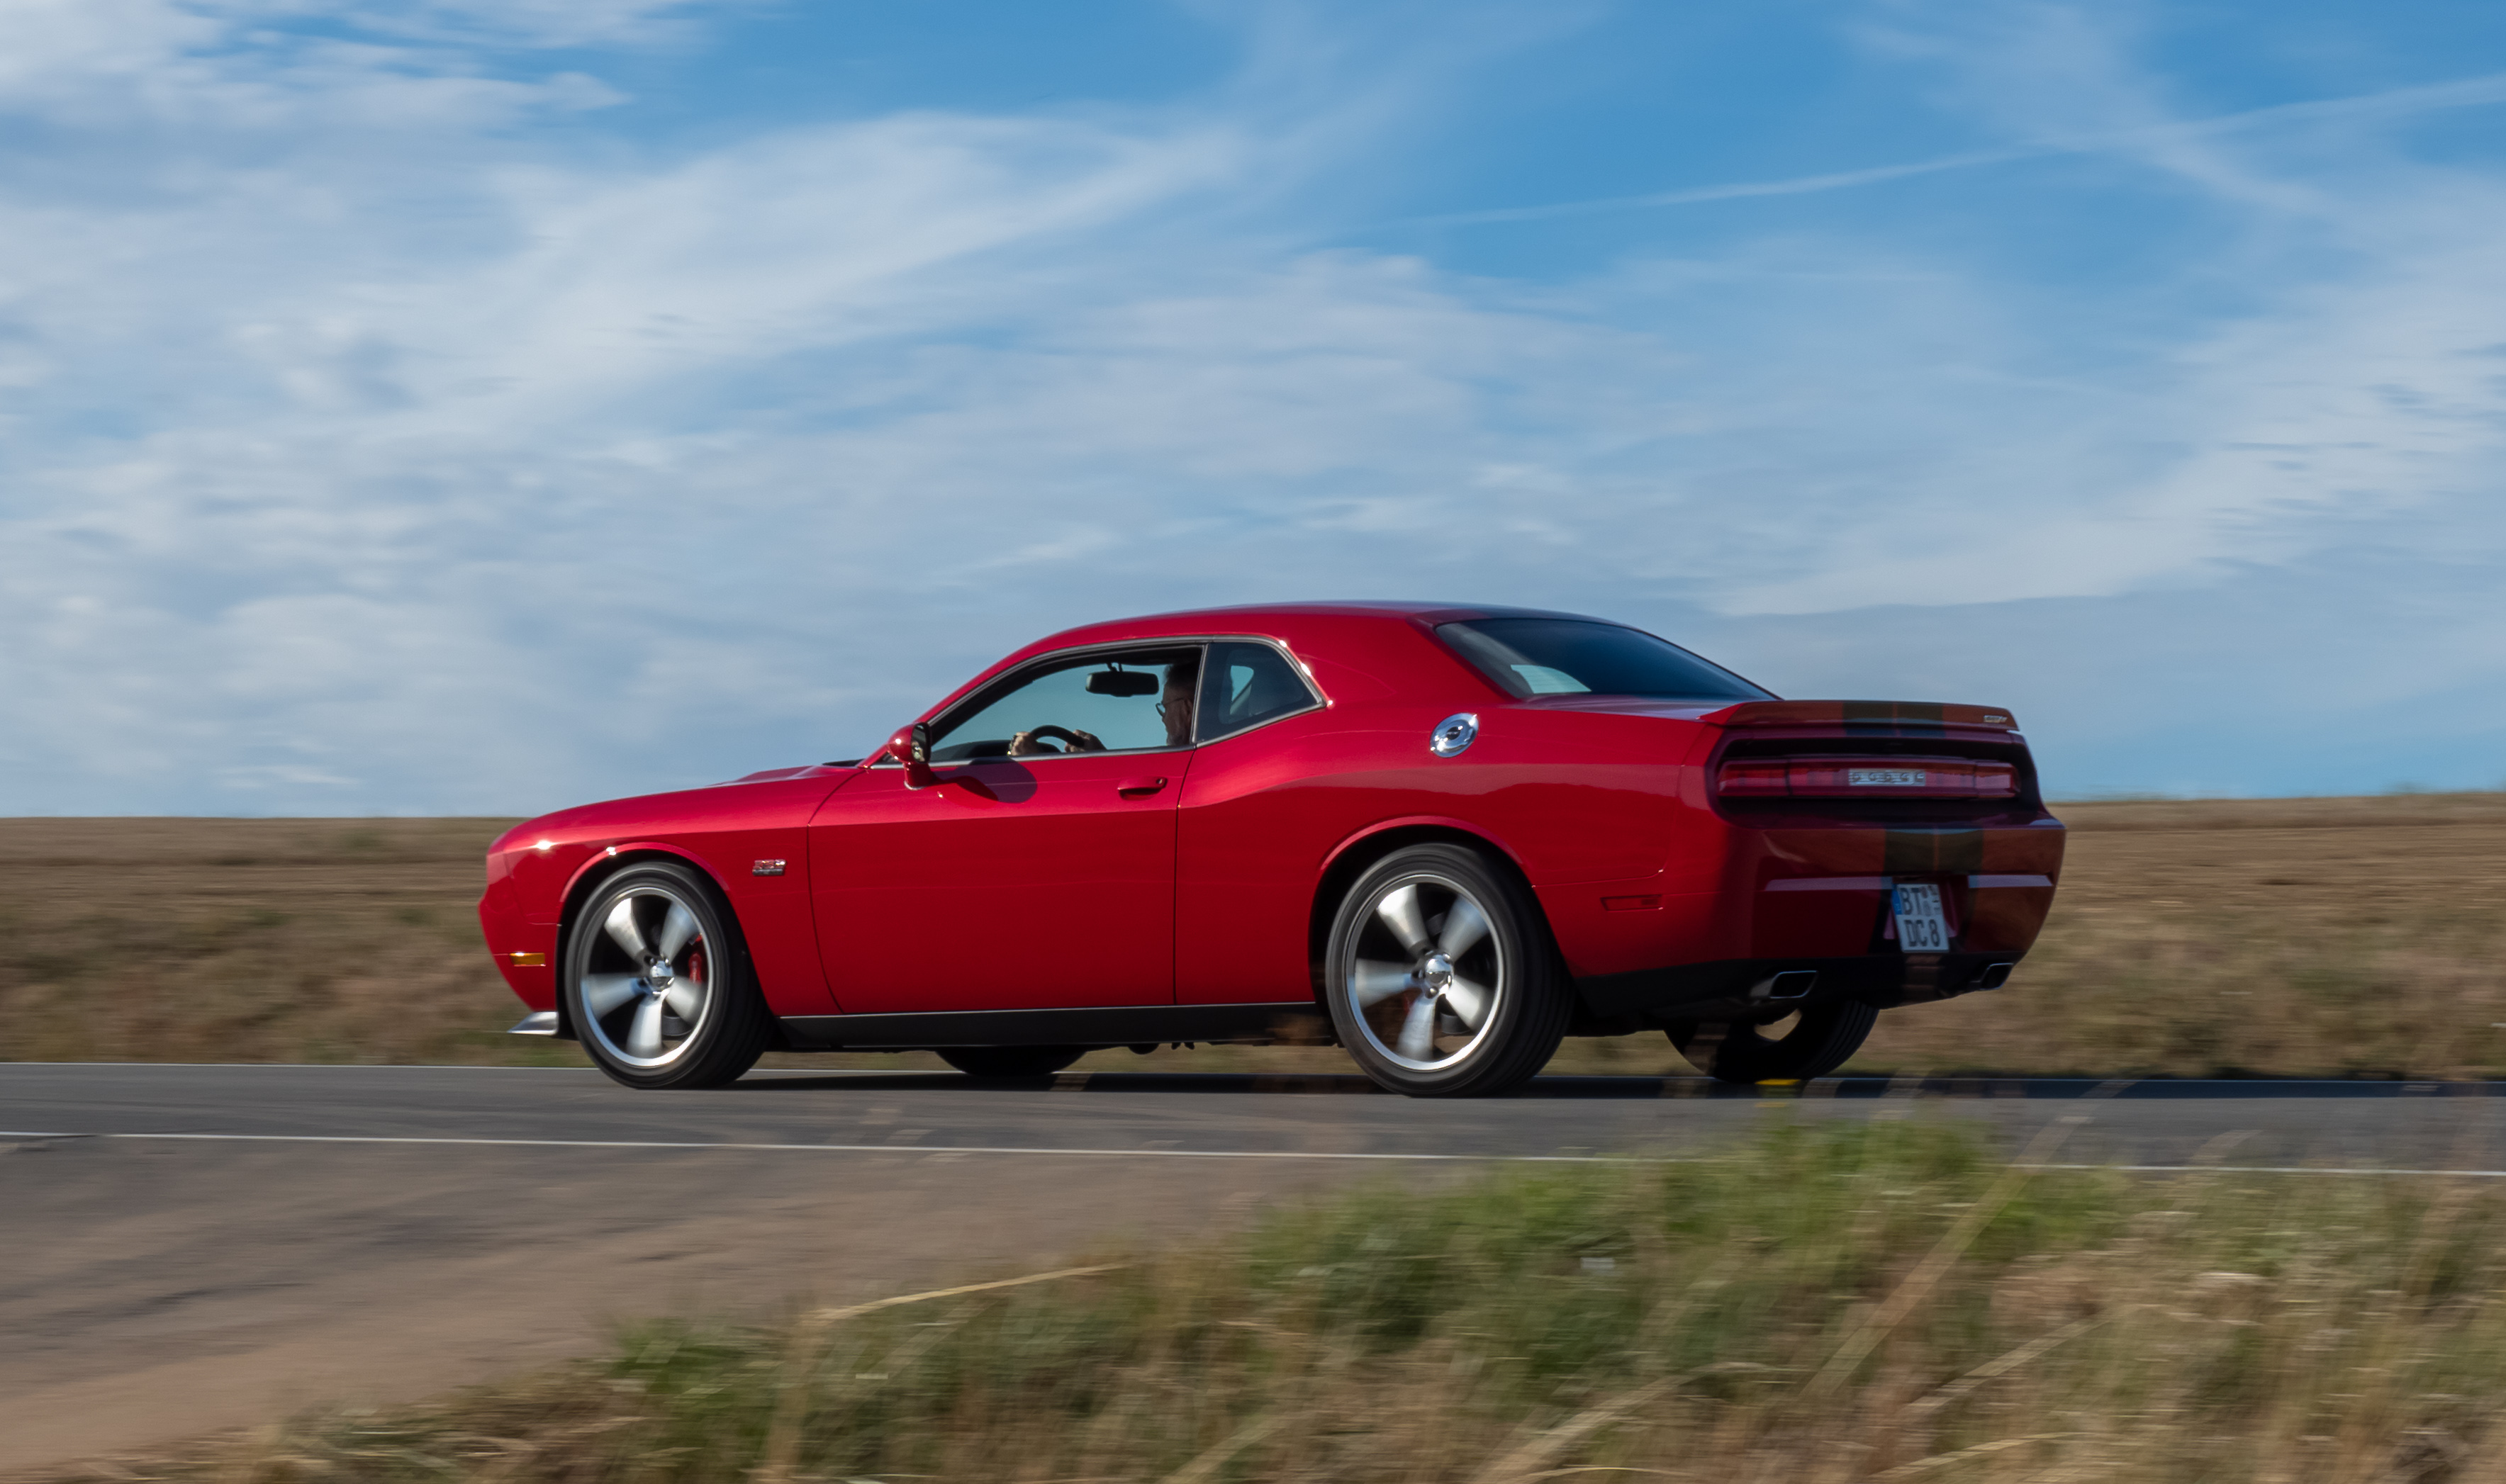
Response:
column 1886, row 777
column 1922, row 926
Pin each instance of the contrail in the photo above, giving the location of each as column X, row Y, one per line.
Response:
column 2466, row 92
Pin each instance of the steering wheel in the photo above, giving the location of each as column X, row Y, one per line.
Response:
column 1069, row 740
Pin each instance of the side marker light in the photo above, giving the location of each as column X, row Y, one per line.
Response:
column 527, row 960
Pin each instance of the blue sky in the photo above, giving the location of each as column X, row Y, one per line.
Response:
column 489, row 405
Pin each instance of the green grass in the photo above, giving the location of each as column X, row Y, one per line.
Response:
column 1866, row 1301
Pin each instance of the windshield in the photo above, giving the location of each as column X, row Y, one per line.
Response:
column 1568, row 656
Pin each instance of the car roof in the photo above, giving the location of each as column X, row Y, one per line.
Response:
column 1254, row 617
column 1297, row 623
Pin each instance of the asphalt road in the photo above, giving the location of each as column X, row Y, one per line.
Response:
column 194, row 1248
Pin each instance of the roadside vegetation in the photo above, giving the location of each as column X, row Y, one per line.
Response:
column 1876, row 1301
column 2320, row 937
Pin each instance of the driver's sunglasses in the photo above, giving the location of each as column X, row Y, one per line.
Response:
column 1186, row 704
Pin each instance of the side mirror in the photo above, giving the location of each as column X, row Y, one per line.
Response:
column 912, row 745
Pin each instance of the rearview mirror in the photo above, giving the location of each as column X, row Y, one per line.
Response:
column 1121, row 683
column 912, row 747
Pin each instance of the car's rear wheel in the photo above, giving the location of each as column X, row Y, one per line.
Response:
column 1812, row 1044
column 657, row 984
column 1441, row 977
column 1010, row 1061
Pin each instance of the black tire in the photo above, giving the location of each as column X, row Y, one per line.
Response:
column 1819, row 1042
column 1400, row 981
column 625, row 999
column 1010, row 1061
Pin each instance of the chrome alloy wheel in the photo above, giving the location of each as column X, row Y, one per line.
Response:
column 1423, row 975
column 647, row 980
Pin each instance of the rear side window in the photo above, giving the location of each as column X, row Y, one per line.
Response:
column 1246, row 684
column 1569, row 657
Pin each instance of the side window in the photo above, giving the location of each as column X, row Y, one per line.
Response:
column 1101, row 703
column 1247, row 684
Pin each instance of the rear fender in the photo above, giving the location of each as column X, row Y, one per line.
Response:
column 1424, row 824
column 1366, row 846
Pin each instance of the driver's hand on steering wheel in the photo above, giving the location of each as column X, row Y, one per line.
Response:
column 1027, row 744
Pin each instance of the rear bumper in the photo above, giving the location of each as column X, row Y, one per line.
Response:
column 1735, row 988
column 1806, row 895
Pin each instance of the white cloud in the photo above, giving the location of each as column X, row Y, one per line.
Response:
column 186, row 78
column 388, row 460
column 2377, row 403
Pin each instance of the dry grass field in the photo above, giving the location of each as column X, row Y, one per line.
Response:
column 2307, row 937
column 249, row 941
column 2335, row 937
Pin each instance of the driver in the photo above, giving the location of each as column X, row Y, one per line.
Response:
column 1174, row 707
column 1183, row 677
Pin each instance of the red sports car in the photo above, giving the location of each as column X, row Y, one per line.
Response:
column 1443, row 837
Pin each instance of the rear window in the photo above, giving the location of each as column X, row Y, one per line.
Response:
column 1570, row 657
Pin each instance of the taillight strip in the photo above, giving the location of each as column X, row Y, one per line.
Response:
column 1875, row 777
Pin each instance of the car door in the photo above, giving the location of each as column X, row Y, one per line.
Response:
column 1024, row 877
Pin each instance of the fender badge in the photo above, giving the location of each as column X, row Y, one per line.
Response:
column 767, row 869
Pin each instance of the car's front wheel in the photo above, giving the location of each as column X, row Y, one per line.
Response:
column 657, row 985
column 1814, row 1043
column 1440, row 978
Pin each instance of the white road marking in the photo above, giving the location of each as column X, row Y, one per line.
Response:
column 833, row 1149
column 331, row 1067
column 926, row 1151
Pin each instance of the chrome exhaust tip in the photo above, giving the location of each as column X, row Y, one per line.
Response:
column 1791, row 984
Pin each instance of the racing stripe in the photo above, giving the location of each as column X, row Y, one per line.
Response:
column 1932, row 852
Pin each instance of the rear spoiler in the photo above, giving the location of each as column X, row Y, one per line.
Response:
column 1868, row 718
